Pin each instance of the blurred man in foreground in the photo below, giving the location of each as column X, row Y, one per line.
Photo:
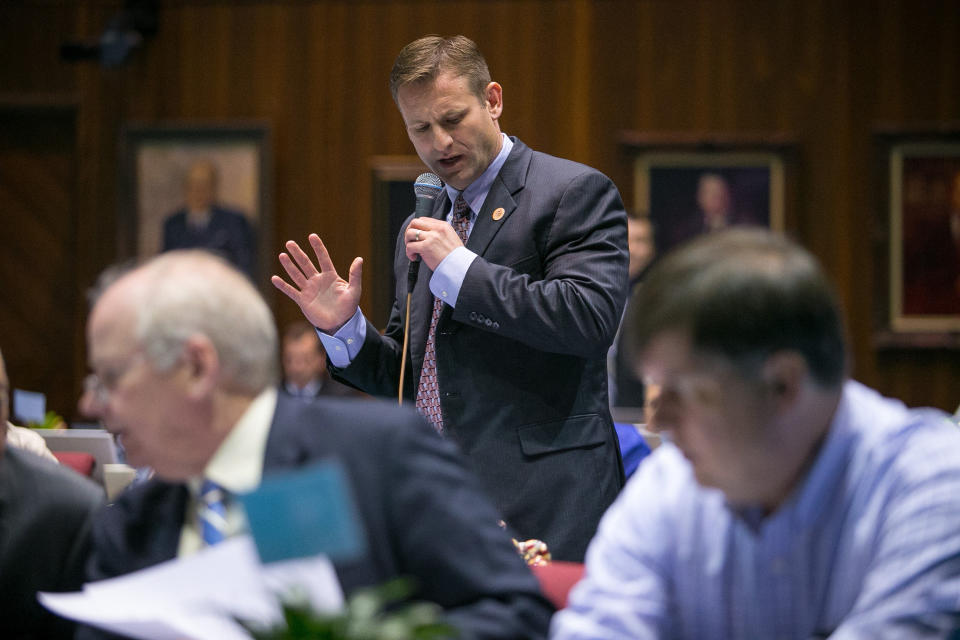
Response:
column 792, row 502
column 45, row 516
column 184, row 349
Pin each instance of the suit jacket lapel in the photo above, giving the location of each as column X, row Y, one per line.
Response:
column 508, row 182
column 164, row 506
column 505, row 185
column 282, row 451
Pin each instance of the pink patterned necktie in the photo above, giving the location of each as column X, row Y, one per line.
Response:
column 428, row 392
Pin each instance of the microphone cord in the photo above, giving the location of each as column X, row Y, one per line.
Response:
column 426, row 188
column 403, row 357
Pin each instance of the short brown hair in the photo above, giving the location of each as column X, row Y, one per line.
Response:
column 424, row 59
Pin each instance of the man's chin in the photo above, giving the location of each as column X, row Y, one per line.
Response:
column 705, row 479
column 454, row 175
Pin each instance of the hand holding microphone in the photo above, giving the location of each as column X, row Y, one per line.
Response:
column 426, row 187
column 430, row 239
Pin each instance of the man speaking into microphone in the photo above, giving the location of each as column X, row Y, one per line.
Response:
column 521, row 288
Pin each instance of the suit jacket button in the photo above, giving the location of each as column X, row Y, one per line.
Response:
column 496, row 325
column 488, row 322
column 473, row 315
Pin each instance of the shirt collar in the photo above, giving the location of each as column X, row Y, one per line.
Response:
column 309, row 390
column 476, row 192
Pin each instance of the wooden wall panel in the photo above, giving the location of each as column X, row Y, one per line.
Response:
column 575, row 73
column 37, row 165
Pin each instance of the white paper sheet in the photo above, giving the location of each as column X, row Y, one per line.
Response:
column 197, row 597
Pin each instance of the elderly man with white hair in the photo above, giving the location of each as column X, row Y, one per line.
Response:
column 184, row 351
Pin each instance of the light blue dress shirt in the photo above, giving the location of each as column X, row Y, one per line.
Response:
column 867, row 546
column 343, row 346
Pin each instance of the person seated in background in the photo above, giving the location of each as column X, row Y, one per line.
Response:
column 787, row 500
column 626, row 389
column 184, row 349
column 304, row 363
column 45, row 516
column 203, row 223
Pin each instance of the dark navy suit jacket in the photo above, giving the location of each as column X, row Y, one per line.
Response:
column 522, row 358
column 424, row 515
column 45, row 517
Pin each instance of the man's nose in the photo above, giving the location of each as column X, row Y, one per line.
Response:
column 441, row 139
column 90, row 404
column 661, row 417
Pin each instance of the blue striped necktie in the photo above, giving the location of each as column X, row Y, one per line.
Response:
column 212, row 513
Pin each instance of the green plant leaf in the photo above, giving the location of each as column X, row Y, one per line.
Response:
column 376, row 613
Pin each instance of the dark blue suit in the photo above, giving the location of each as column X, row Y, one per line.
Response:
column 522, row 358
column 45, row 517
column 424, row 516
column 227, row 233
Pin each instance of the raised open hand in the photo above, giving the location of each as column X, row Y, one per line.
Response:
column 326, row 299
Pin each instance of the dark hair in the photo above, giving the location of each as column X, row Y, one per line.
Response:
column 297, row 329
column 424, row 59
column 742, row 294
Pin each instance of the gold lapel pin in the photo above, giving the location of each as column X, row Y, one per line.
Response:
column 498, row 213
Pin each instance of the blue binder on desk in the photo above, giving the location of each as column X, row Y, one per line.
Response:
column 305, row 512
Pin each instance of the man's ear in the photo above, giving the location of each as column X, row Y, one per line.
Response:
column 784, row 375
column 202, row 365
column 494, row 99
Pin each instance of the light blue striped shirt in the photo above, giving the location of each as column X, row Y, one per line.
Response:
column 867, row 546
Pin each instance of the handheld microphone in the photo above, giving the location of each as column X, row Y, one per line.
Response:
column 426, row 187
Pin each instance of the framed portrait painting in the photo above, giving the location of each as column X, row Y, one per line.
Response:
column 204, row 186
column 690, row 185
column 921, row 209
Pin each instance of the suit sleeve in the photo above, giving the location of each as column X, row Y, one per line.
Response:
column 139, row 530
column 450, row 542
column 572, row 300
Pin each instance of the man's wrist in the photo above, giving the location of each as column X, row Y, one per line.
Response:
column 344, row 344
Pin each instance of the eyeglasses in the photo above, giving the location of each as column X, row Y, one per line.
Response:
column 101, row 386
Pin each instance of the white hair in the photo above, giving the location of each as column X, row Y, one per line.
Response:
column 185, row 293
